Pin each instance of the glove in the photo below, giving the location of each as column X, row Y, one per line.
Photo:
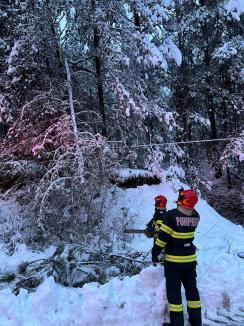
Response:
column 149, row 231
column 161, row 257
column 155, row 260
column 158, row 259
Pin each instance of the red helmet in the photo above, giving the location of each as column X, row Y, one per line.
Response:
column 187, row 199
column 160, row 201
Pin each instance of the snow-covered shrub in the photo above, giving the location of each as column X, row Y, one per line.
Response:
column 233, row 152
column 16, row 173
column 10, row 224
column 60, row 181
column 68, row 199
column 154, row 162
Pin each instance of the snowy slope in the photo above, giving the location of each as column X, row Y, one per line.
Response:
column 140, row 300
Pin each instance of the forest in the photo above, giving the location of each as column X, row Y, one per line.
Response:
column 92, row 86
column 109, row 108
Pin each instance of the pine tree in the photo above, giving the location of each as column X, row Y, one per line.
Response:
column 6, row 15
column 207, row 91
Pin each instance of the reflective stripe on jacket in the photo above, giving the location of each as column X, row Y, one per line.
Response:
column 176, row 235
column 157, row 220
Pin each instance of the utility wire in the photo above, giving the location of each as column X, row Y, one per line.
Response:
column 179, row 142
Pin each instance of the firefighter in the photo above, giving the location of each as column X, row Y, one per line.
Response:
column 155, row 223
column 176, row 237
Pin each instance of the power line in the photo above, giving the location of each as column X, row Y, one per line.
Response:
column 178, row 143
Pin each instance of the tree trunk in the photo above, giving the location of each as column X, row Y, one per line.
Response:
column 98, row 64
column 80, row 160
column 211, row 114
column 136, row 19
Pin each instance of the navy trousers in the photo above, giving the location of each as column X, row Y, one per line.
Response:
column 177, row 274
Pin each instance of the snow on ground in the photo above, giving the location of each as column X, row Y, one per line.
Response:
column 128, row 173
column 139, row 300
column 22, row 253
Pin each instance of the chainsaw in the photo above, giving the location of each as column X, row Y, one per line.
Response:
column 148, row 232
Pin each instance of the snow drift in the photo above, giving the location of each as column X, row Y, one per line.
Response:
column 141, row 299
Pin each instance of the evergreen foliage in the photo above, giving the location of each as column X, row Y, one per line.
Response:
column 141, row 72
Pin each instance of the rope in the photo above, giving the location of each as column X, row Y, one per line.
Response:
column 177, row 143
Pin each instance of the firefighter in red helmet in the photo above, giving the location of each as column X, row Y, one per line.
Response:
column 155, row 223
column 176, row 237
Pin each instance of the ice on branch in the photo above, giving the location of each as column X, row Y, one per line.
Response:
column 125, row 100
column 154, row 12
column 5, row 116
column 171, row 51
column 169, row 120
column 235, row 149
column 242, row 73
column 154, row 162
column 167, row 3
column 198, row 118
column 3, row 44
column 14, row 52
column 175, row 171
column 229, row 50
column 234, row 8
column 3, row 14
column 153, row 55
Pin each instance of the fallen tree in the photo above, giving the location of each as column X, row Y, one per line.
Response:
column 75, row 265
